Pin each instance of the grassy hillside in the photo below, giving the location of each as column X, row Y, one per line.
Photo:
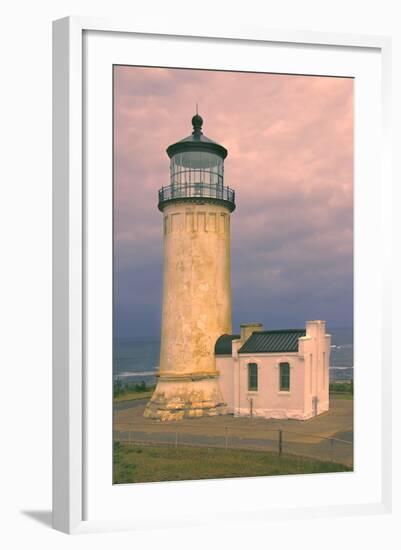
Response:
column 144, row 463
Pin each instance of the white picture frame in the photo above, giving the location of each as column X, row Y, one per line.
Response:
column 71, row 254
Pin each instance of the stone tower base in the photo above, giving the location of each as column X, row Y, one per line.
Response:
column 186, row 396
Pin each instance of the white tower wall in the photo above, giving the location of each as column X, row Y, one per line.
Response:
column 196, row 309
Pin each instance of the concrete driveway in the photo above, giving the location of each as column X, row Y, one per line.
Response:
column 328, row 436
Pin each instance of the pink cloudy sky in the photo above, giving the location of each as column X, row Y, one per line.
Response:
column 290, row 161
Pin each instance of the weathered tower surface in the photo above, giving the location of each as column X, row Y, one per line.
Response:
column 196, row 310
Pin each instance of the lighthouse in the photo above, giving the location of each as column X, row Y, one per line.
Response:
column 196, row 309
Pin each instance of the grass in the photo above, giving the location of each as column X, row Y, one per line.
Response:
column 342, row 387
column 342, row 390
column 348, row 396
column 132, row 396
column 132, row 392
column 145, row 463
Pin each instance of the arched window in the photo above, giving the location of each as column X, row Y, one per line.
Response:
column 284, row 377
column 252, row 377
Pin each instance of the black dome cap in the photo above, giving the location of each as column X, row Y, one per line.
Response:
column 197, row 141
column 197, row 122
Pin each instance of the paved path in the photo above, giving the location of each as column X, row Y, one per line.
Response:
column 123, row 405
column 309, row 438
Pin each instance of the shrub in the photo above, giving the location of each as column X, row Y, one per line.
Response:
column 342, row 387
column 118, row 387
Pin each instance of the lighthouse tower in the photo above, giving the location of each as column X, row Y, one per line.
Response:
column 196, row 209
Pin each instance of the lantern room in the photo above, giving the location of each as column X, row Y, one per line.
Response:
column 197, row 170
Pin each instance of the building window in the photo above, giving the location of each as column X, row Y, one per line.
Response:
column 252, row 377
column 284, row 377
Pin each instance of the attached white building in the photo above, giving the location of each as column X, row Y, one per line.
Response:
column 275, row 373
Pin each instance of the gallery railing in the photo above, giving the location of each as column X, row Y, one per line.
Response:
column 197, row 190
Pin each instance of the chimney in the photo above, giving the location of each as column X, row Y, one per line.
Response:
column 247, row 329
column 315, row 328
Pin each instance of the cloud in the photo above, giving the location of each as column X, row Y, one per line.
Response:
column 290, row 161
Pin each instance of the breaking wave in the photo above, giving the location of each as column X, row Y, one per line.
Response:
column 341, row 368
column 133, row 374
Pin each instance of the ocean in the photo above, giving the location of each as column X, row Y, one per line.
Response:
column 136, row 360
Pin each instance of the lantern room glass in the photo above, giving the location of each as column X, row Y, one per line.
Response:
column 196, row 173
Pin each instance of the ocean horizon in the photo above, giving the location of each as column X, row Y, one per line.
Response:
column 137, row 359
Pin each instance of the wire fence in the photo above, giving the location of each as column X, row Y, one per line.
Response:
column 272, row 440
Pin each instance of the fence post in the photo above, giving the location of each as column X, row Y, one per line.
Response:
column 226, row 437
column 280, row 442
column 332, row 449
column 129, row 437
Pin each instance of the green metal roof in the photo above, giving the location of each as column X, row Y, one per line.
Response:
column 223, row 344
column 273, row 341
